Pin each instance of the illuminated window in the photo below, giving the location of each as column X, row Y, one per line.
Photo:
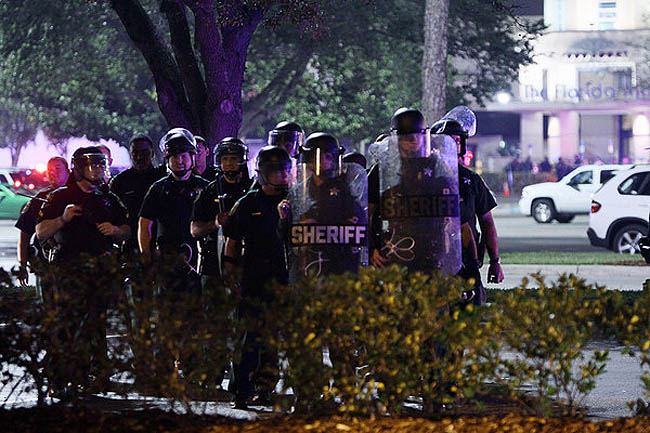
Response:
column 607, row 5
column 607, row 14
column 606, row 26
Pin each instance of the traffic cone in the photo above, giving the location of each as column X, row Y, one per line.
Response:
column 506, row 189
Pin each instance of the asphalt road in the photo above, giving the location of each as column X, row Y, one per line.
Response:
column 518, row 233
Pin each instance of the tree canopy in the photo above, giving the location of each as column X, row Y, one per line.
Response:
column 237, row 67
column 369, row 63
column 67, row 67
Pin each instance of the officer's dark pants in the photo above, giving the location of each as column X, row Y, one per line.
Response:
column 79, row 349
column 258, row 363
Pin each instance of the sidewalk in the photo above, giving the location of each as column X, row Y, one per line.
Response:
column 612, row 277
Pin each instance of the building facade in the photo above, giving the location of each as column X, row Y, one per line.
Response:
column 588, row 91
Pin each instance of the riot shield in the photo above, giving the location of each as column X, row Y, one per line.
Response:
column 465, row 117
column 328, row 227
column 420, row 218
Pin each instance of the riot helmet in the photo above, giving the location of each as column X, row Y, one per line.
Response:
column 407, row 126
column 454, row 129
column 287, row 135
column 90, row 164
column 272, row 159
column 322, row 154
column 176, row 142
column 356, row 158
column 231, row 146
column 460, row 123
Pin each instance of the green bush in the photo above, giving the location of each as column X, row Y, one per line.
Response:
column 171, row 344
column 548, row 335
column 634, row 330
column 391, row 335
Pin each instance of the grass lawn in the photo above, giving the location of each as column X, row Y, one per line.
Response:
column 566, row 258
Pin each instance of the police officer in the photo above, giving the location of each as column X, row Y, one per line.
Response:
column 357, row 158
column 57, row 176
column 326, row 199
column 132, row 184
column 476, row 203
column 215, row 201
column 287, row 135
column 253, row 221
column 419, row 212
column 83, row 217
column 202, row 168
column 168, row 203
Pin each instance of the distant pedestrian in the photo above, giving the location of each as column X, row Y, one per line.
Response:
column 545, row 166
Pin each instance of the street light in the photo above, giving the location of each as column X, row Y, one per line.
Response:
column 503, row 97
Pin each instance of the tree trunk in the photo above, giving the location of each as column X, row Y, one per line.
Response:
column 434, row 60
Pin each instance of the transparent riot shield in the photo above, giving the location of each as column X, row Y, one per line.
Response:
column 329, row 221
column 420, row 218
column 465, row 117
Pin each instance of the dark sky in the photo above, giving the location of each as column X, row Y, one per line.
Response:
column 529, row 7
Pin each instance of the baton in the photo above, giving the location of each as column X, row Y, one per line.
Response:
column 33, row 197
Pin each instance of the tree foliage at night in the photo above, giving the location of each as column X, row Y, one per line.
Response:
column 237, row 67
column 369, row 63
column 67, row 67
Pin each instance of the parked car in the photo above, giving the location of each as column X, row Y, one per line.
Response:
column 11, row 203
column 5, row 177
column 568, row 197
column 619, row 211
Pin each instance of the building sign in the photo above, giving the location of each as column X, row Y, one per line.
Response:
column 588, row 92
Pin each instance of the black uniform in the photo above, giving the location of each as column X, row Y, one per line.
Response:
column 81, row 234
column 254, row 221
column 412, row 213
column 169, row 204
column 475, row 200
column 218, row 197
column 131, row 186
column 210, row 173
column 83, row 308
column 475, row 197
column 28, row 218
column 335, row 205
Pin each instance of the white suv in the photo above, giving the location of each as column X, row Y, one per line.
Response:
column 619, row 211
column 568, row 197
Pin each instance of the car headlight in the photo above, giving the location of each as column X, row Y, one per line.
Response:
column 525, row 193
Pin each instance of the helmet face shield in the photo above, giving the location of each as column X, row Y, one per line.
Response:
column 290, row 141
column 92, row 167
column 274, row 172
column 273, row 166
column 413, row 145
column 322, row 163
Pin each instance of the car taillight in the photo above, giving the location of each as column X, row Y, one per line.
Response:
column 595, row 206
column 31, row 186
column 17, row 183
